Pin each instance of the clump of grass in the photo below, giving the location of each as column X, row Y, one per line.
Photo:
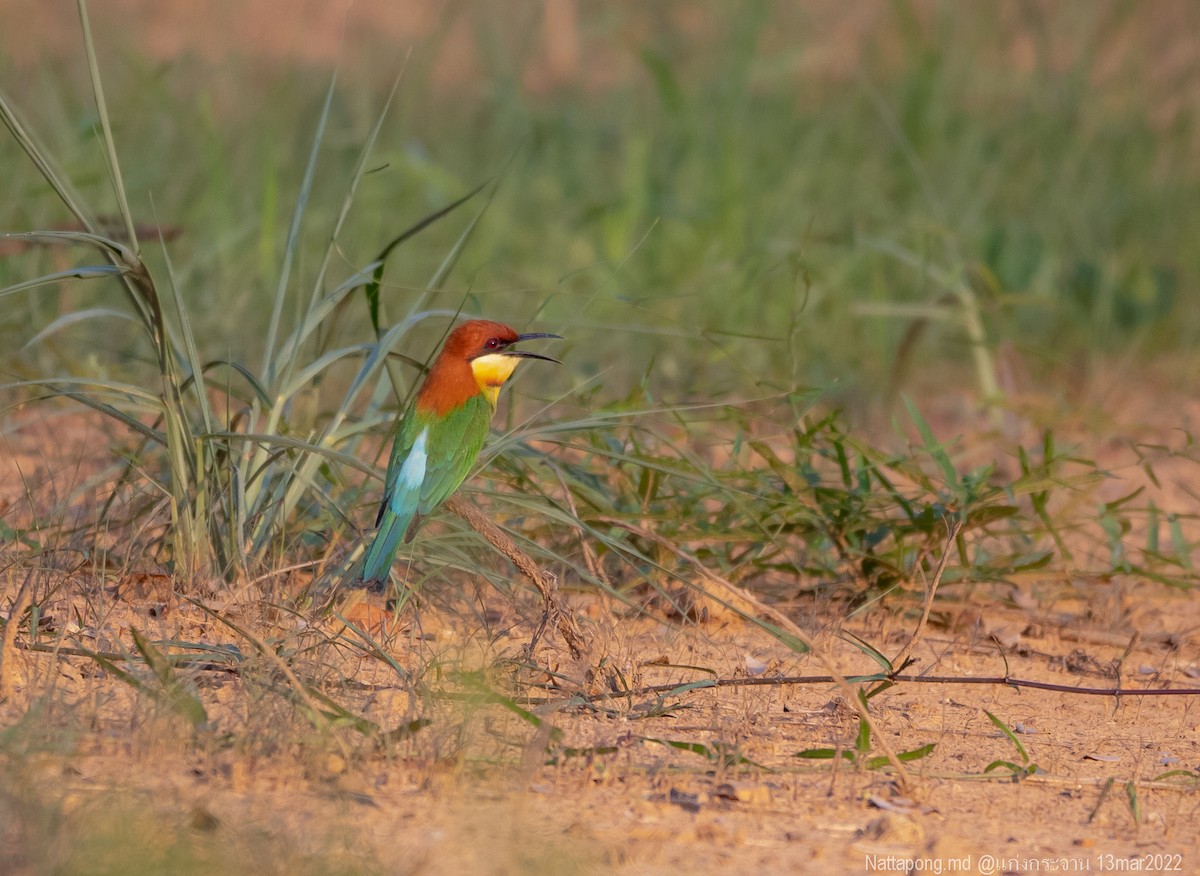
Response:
column 248, row 474
column 815, row 509
column 242, row 455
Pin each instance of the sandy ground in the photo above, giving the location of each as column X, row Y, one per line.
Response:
column 97, row 775
column 481, row 790
column 705, row 780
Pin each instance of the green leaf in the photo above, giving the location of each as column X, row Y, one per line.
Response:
column 862, row 743
column 983, row 515
column 372, row 287
column 916, row 753
column 7, row 533
column 718, row 756
column 824, row 754
column 870, row 650
column 1007, row 764
column 1171, row 774
column 587, row 752
column 932, row 446
column 689, row 687
column 1007, row 731
column 1135, row 806
column 56, row 278
column 693, row 747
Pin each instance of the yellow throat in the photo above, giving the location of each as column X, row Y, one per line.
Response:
column 490, row 373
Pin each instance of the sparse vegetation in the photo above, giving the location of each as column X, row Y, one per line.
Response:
column 752, row 278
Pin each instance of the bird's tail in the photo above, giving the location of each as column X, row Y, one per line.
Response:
column 382, row 551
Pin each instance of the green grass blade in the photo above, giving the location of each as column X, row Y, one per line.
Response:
column 45, row 165
column 372, row 288
column 88, row 273
column 1007, row 731
column 69, row 319
column 932, row 446
column 268, row 440
column 293, row 238
column 191, row 353
column 110, row 148
column 355, row 178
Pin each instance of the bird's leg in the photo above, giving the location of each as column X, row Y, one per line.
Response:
column 545, row 582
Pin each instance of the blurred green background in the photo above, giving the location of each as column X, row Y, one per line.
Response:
column 711, row 199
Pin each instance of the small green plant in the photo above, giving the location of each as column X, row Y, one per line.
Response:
column 1135, row 804
column 717, row 753
column 1020, row 770
column 860, row 754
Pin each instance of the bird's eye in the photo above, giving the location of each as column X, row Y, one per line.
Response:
column 493, row 344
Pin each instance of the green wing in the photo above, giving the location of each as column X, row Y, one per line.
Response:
column 454, row 444
column 431, row 456
column 408, row 428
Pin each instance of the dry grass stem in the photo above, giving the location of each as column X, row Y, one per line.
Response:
column 930, row 593
column 553, row 610
column 8, row 646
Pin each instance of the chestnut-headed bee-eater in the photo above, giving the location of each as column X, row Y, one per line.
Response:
column 441, row 435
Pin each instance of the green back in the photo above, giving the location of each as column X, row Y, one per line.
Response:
column 452, row 446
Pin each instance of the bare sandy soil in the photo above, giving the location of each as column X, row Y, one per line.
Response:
column 705, row 780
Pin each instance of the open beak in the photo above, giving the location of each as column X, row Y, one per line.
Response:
column 523, row 354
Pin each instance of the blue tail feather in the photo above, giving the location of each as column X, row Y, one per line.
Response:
column 378, row 562
column 401, row 501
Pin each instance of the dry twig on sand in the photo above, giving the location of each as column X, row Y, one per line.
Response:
column 547, row 584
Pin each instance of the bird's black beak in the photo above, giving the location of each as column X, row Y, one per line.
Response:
column 523, row 354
